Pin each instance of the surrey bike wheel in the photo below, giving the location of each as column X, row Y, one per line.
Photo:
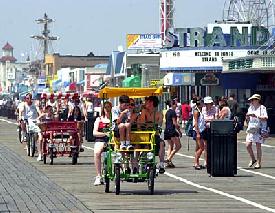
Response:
column 151, row 179
column 51, row 155
column 106, row 177
column 117, row 178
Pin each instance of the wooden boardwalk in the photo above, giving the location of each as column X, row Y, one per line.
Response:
column 181, row 189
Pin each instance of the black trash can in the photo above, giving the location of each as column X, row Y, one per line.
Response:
column 89, row 127
column 222, row 149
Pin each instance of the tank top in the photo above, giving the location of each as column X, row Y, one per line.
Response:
column 201, row 121
column 104, row 123
column 30, row 112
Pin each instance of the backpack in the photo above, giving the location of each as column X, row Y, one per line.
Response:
column 189, row 127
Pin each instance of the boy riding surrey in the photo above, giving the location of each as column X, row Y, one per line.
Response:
column 121, row 122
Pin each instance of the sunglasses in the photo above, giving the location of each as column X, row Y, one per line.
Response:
column 132, row 104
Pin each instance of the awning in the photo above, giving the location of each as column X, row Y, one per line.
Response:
column 111, row 92
column 132, row 81
column 56, row 82
column 80, row 83
column 178, row 79
column 90, row 93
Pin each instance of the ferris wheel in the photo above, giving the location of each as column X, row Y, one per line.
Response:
column 256, row 12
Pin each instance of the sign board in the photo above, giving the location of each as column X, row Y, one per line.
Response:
column 218, row 35
column 41, row 81
column 154, row 83
column 209, row 80
column 144, row 41
column 11, row 74
column 200, row 59
column 178, row 79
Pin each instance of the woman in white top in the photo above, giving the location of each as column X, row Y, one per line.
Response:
column 256, row 114
column 199, row 127
column 224, row 112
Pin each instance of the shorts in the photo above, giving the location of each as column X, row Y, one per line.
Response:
column 34, row 127
column 170, row 133
column 205, row 134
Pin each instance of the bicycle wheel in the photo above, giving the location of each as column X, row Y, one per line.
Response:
column 28, row 145
column 20, row 134
column 32, row 140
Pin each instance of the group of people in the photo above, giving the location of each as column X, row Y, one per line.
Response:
column 128, row 116
column 131, row 114
column 49, row 109
column 204, row 111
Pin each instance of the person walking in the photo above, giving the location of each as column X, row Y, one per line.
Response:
column 198, row 133
column 172, row 133
column 185, row 112
column 257, row 120
column 210, row 113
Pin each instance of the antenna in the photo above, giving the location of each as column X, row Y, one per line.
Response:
column 45, row 37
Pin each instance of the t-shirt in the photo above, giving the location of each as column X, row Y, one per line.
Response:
column 170, row 114
column 116, row 111
column 186, row 110
column 260, row 111
column 209, row 115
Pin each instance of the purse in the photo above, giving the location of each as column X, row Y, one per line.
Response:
column 254, row 125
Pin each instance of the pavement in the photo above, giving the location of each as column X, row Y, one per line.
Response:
column 30, row 186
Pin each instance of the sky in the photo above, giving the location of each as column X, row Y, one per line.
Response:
column 97, row 26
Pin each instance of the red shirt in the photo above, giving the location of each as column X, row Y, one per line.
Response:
column 185, row 109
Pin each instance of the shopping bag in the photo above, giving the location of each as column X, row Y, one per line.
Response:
column 254, row 125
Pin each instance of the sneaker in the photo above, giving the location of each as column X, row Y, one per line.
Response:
column 252, row 163
column 98, row 181
column 257, row 165
column 39, row 158
column 161, row 169
column 169, row 164
column 130, row 147
column 81, row 149
column 123, row 146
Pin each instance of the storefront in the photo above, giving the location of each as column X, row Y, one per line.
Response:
column 202, row 52
column 258, row 75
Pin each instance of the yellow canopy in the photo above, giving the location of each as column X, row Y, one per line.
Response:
column 111, row 92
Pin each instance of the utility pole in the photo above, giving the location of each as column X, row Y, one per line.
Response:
column 45, row 37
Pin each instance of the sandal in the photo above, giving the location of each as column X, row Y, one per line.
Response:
column 197, row 167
